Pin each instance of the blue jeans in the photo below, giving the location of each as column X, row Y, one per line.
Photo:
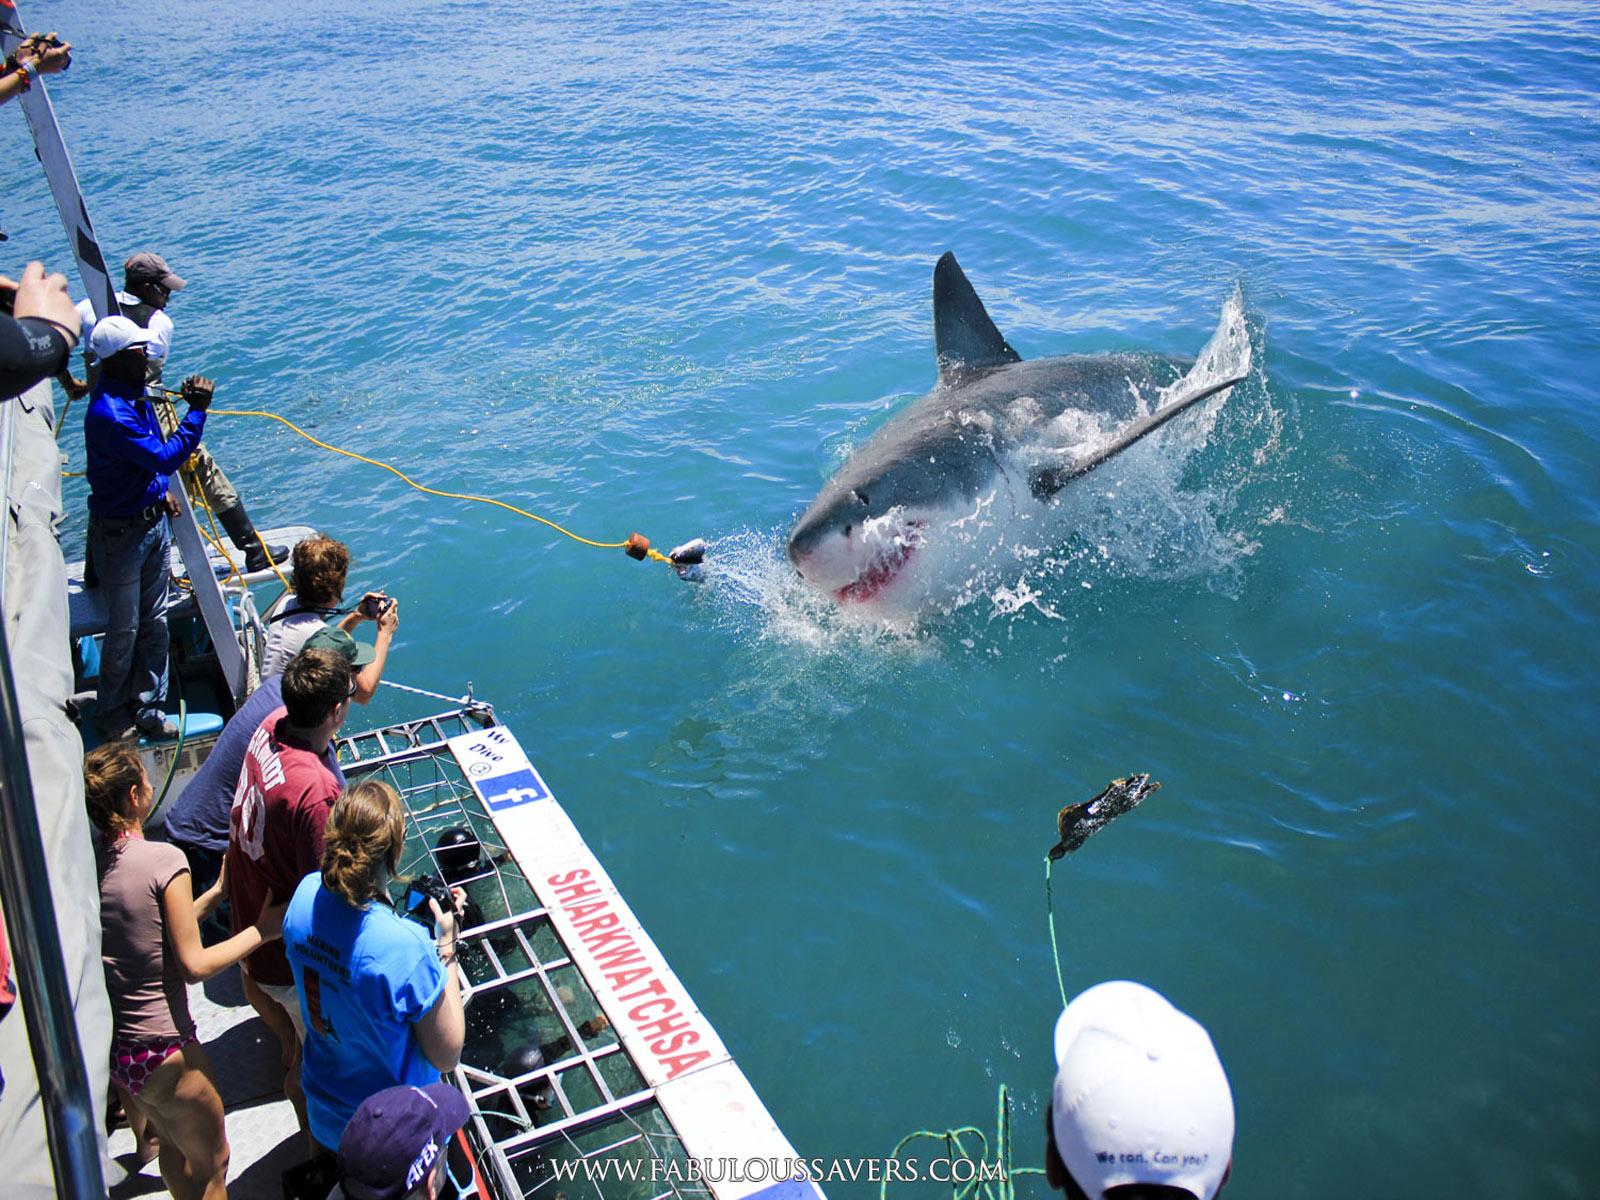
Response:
column 130, row 556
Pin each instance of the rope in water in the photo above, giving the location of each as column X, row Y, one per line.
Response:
column 627, row 544
column 215, row 539
column 979, row 1187
column 191, row 480
column 984, row 1180
column 1050, row 920
column 1075, row 823
column 466, row 701
column 636, row 545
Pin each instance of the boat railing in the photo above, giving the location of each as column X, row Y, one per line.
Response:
column 35, row 938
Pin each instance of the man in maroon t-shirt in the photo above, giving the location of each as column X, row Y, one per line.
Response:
column 286, row 789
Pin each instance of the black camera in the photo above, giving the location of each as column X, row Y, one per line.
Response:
column 430, row 887
column 422, row 889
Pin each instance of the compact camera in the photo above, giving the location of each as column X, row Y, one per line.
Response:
column 430, row 887
column 422, row 889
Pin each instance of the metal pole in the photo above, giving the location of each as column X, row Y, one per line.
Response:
column 36, row 957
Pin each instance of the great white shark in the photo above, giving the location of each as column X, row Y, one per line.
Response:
column 995, row 426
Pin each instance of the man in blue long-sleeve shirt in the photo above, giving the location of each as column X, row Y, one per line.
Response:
column 129, row 467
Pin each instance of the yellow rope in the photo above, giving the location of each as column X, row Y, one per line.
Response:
column 193, row 479
column 215, row 538
column 406, row 479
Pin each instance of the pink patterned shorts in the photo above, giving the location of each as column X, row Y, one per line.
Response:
column 132, row 1063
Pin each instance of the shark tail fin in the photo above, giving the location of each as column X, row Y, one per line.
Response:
column 964, row 335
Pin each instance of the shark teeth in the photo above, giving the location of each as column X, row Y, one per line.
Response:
column 894, row 550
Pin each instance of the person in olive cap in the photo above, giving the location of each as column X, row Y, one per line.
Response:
column 197, row 823
column 397, row 1145
column 147, row 287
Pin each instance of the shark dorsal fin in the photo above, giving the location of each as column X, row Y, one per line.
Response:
column 963, row 333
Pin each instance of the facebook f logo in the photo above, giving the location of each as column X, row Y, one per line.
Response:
column 510, row 790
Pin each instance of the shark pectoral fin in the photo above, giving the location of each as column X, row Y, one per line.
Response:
column 1045, row 482
column 964, row 335
column 1224, row 362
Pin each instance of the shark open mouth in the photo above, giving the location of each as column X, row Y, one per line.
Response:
column 891, row 559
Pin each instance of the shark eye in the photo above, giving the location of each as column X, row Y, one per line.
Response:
column 862, row 496
column 847, row 530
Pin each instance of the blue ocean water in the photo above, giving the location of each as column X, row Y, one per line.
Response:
column 660, row 267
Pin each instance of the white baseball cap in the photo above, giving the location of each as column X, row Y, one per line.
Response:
column 1140, row 1095
column 115, row 334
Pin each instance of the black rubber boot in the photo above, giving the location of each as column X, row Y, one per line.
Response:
column 243, row 535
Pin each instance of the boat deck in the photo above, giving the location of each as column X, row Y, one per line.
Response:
column 86, row 607
column 582, row 1045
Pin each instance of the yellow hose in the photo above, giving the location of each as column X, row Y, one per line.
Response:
column 656, row 555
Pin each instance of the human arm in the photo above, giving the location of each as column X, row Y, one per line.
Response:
column 46, row 51
column 442, row 1030
column 39, row 54
column 206, row 903
column 366, row 680
column 198, row 961
column 122, row 434
column 75, row 388
column 41, row 330
column 30, row 350
column 311, row 823
column 369, row 608
column 160, row 344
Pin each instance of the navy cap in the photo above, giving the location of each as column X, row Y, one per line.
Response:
column 395, row 1139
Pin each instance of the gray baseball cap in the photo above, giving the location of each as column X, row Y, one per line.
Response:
column 145, row 267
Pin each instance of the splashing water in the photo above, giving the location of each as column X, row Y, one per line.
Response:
column 747, row 572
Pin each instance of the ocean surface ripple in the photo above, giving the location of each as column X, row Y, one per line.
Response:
column 661, row 267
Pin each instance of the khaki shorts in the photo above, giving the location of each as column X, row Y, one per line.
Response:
column 286, row 995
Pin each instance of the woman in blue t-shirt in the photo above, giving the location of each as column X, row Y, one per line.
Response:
column 381, row 999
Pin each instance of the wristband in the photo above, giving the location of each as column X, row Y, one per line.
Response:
column 70, row 334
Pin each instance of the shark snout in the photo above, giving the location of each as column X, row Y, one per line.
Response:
column 821, row 548
column 851, row 555
column 814, row 543
column 803, row 542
